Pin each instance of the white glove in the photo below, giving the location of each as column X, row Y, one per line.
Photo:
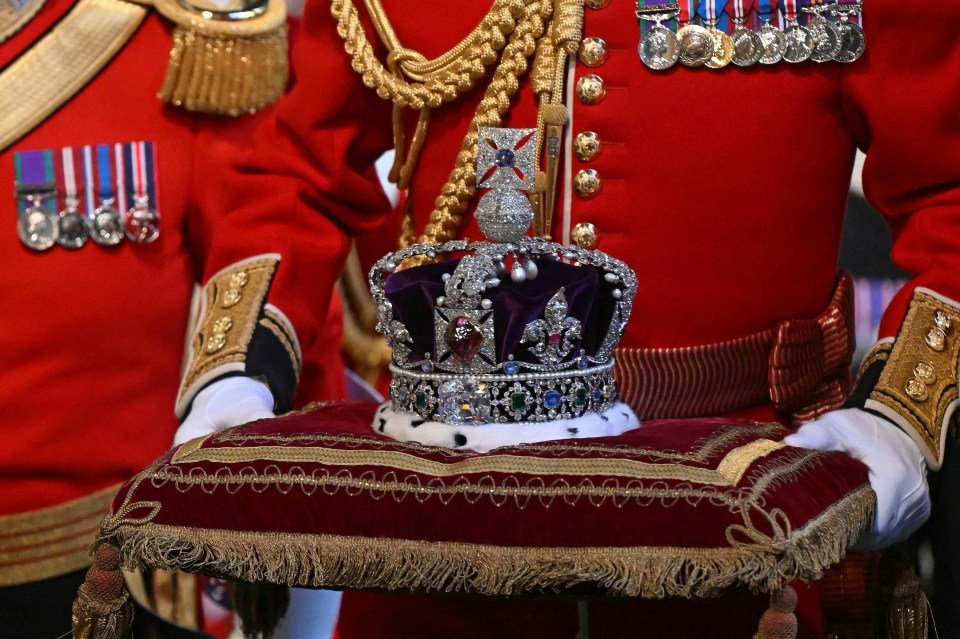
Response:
column 225, row 403
column 898, row 473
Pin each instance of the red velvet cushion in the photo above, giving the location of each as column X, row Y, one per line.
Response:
column 317, row 498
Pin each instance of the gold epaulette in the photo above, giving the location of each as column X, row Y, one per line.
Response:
column 225, row 60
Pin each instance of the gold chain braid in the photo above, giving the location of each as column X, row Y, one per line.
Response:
column 435, row 81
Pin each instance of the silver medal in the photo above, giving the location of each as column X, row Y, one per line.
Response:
column 696, row 45
column 72, row 229
column 143, row 223
column 37, row 228
column 106, row 225
column 774, row 44
column 852, row 41
column 659, row 48
column 747, row 47
column 799, row 44
column 826, row 39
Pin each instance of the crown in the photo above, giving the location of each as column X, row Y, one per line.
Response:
column 512, row 330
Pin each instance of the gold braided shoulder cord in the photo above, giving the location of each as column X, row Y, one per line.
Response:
column 516, row 27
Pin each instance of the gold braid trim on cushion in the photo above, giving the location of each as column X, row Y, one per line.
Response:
column 323, row 561
column 225, row 66
column 232, row 303
column 728, row 472
column 917, row 389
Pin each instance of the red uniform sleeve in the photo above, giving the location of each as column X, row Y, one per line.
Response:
column 901, row 100
column 277, row 219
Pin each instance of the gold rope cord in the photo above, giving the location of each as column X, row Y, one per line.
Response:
column 531, row 20
column 13, row 18
column 60, row 64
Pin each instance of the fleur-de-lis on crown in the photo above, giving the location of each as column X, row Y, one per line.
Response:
column 554, row 335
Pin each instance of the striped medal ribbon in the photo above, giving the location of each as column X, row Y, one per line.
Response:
column 799, row 40
column 106, row 222
column 716, row 20
column 139, row 169
column 35, row 185
column 659, row 47
column 747, row 43
column 73, row 228
column 696, row 42
column 774, row 42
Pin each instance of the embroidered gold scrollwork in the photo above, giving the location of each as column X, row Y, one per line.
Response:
column 917, row 388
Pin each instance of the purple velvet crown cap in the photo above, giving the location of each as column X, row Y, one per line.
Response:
column 413, row 293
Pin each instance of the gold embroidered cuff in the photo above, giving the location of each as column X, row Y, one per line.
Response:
column 917, row 388
column 239, row 333
column 225, row 61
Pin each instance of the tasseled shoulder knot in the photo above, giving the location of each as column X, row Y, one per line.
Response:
column 228, row 57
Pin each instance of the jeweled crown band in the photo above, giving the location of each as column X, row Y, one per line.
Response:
column 495, row 397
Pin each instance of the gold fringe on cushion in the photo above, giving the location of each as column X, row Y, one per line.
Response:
column 102, row 609
column 225, row 67
column 399, row 564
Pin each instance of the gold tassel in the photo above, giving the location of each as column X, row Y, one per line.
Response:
column 907, row 603
column 226, row 74
column 102, row 609
column 779, row 620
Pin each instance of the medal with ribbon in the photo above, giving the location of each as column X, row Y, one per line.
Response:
column 139, row 169
column 73, row 229
column 774, row 42
column 106, row 223
column 715, row 18
column 35, row 186
column 799, row 40
column 747, row 44
column 849, row 23
column 659, row 48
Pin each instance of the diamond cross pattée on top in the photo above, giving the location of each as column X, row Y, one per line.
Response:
column 506, row 164
column 505, row 158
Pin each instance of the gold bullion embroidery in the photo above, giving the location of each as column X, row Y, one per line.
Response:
column 54, row 69
column 232, row 301
column 50, row 542
column 918, row 385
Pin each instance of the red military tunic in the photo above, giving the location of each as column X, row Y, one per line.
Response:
column 93, row 339
column 724, row 190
